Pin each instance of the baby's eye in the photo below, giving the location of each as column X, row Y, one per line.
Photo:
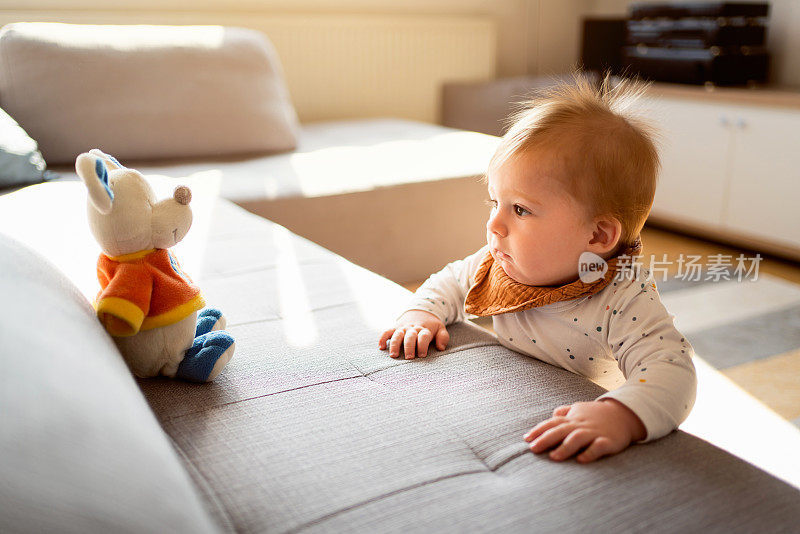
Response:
column 491, row 203
column 520, row 211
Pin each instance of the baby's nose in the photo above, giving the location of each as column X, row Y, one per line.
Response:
column 183, row 195
column 495, row 226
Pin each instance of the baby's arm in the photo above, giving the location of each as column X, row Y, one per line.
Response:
column 438, row 302
column 657, row 396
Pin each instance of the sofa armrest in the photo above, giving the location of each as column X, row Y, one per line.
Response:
column 81, row 451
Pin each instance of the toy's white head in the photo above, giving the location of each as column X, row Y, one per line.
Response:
column 124, row 215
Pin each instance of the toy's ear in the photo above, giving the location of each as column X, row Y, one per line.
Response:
column 94, row 174
column 110, row 161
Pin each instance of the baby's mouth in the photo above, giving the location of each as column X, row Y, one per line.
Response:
column 503, row 260
column 498, row 255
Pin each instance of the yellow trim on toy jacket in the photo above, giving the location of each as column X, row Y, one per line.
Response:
column 126, row 311
column 133, row 255
column 175, row 314
column 130, row 314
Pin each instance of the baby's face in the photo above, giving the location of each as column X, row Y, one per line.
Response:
column 536, row 231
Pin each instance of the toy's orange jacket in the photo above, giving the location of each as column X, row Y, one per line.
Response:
column 143, row 290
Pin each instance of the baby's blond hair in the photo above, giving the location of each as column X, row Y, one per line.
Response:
column 609, row 158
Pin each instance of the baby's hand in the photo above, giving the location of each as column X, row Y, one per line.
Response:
column 606, row 426
column 415, row 330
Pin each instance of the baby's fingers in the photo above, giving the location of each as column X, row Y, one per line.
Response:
column 562, row 410
column 575, row 441
column 410, row 343
column 423, row 341
column 600, row 447
column 551, row 438
column 540, row 428
column 384, row 338
column 396, row 341
column 442, row 338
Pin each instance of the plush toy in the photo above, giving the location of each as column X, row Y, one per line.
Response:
column 151, row 308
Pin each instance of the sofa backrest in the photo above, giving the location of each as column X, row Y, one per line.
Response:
column 80, row 450
column 145, row 92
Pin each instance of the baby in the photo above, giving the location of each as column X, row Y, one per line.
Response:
column 570, row 185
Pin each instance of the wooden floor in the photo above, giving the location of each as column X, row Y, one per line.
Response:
column 775, row 381
column 658, row 242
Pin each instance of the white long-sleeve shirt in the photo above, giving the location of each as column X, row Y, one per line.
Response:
column 621, row 336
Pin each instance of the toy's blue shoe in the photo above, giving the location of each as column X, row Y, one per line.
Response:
column 209, row 319
column 206, row 358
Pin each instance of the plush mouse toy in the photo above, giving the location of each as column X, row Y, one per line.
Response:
column 151, row 308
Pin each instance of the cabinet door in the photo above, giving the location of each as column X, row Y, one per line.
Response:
column 694, row 140
column 764, row 197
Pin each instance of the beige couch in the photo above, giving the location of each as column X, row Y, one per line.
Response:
column 310, row 428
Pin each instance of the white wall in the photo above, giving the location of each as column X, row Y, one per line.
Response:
column 558, row 35
column 511, row 38
column 533, row 35
column 783, row 35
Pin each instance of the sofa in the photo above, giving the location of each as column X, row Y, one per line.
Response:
column 310, row 428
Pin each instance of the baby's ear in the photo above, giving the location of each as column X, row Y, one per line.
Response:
column 606, row 234
column 94, row 174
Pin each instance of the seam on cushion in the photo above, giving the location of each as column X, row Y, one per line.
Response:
column 279, row 318
column 357, row 368
column 224, row 236
column 413, row 486
column 452, row 429
column 240, row 272
column 175, row 417
column 255, row 269
column 399, row 361
column 331, row 306
column 255, row 321
column 367, row 375
column 223, row 510
column 510, row 458
column 206, row 488
column 475, row 345
column 460, row 348
column 455, row 431
column 360, row 374
column 330, row 515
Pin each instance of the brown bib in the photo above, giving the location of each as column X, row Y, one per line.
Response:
column 494, row 292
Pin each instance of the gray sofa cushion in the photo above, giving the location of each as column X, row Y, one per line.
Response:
column 312, row 428
column 79, row 449
column 156, row 91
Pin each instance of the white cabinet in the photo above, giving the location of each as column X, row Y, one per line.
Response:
column 694, row 147
column 764, row 198
column 731, row 170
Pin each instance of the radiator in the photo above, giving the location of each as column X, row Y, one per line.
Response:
column 380, row 66
column 342, row 65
